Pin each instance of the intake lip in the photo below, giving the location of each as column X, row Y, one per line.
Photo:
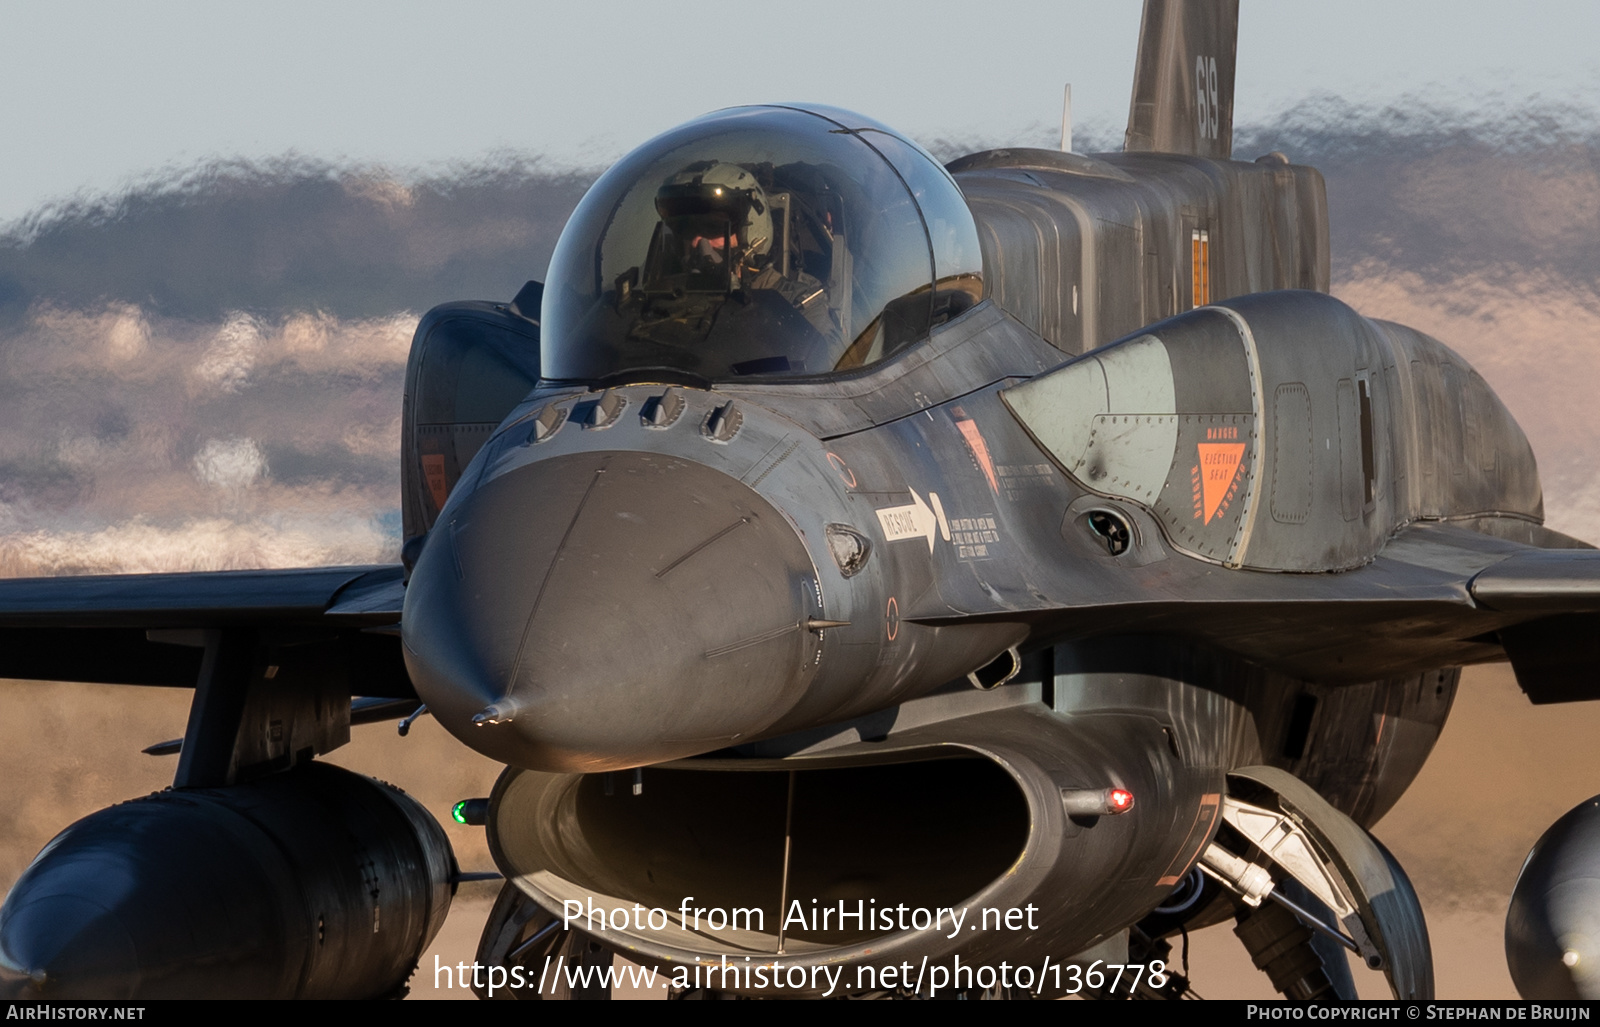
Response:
column 602, row 610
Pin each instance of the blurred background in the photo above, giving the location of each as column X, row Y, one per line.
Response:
column 204, row 319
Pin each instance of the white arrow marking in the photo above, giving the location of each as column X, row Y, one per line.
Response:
column 938, row 511
column 914, row 521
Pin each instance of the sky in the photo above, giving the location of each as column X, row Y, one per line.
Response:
column 95, row 95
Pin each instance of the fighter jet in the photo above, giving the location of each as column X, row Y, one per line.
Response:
column 867, row 570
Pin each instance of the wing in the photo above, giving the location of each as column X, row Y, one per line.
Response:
column 152, row 629
column 274, row 655
column 1437, row 595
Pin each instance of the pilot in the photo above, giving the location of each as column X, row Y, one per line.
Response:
column 716, row 227
column 717, row 237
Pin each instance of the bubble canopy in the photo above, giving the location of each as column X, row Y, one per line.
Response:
column 758, row 241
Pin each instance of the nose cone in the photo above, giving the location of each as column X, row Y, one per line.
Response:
column 1553, row 922
column 596, row 611
column 65, row 946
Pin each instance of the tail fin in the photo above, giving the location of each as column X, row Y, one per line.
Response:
column 1183, row 82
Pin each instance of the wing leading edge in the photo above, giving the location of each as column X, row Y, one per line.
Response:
column 1437, row 595
column 150, row 629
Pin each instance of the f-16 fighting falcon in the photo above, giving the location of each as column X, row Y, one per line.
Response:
column 865, row 569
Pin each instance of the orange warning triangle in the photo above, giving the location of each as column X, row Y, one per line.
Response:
column 1219, row 462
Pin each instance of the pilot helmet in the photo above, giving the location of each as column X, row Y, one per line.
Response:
column 712, row 200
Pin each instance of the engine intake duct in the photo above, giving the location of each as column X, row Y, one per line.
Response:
column 315, row 883
column 927, row 835
column 963, row 819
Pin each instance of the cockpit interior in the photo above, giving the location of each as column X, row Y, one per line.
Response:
column 759, row 241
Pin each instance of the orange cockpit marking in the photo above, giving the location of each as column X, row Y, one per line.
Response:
column 980, row 450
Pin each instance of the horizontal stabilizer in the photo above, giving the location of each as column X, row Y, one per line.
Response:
column 1542, row 580
column 1556, row 654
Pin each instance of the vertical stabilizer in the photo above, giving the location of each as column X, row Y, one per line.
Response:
column 1183, row 81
